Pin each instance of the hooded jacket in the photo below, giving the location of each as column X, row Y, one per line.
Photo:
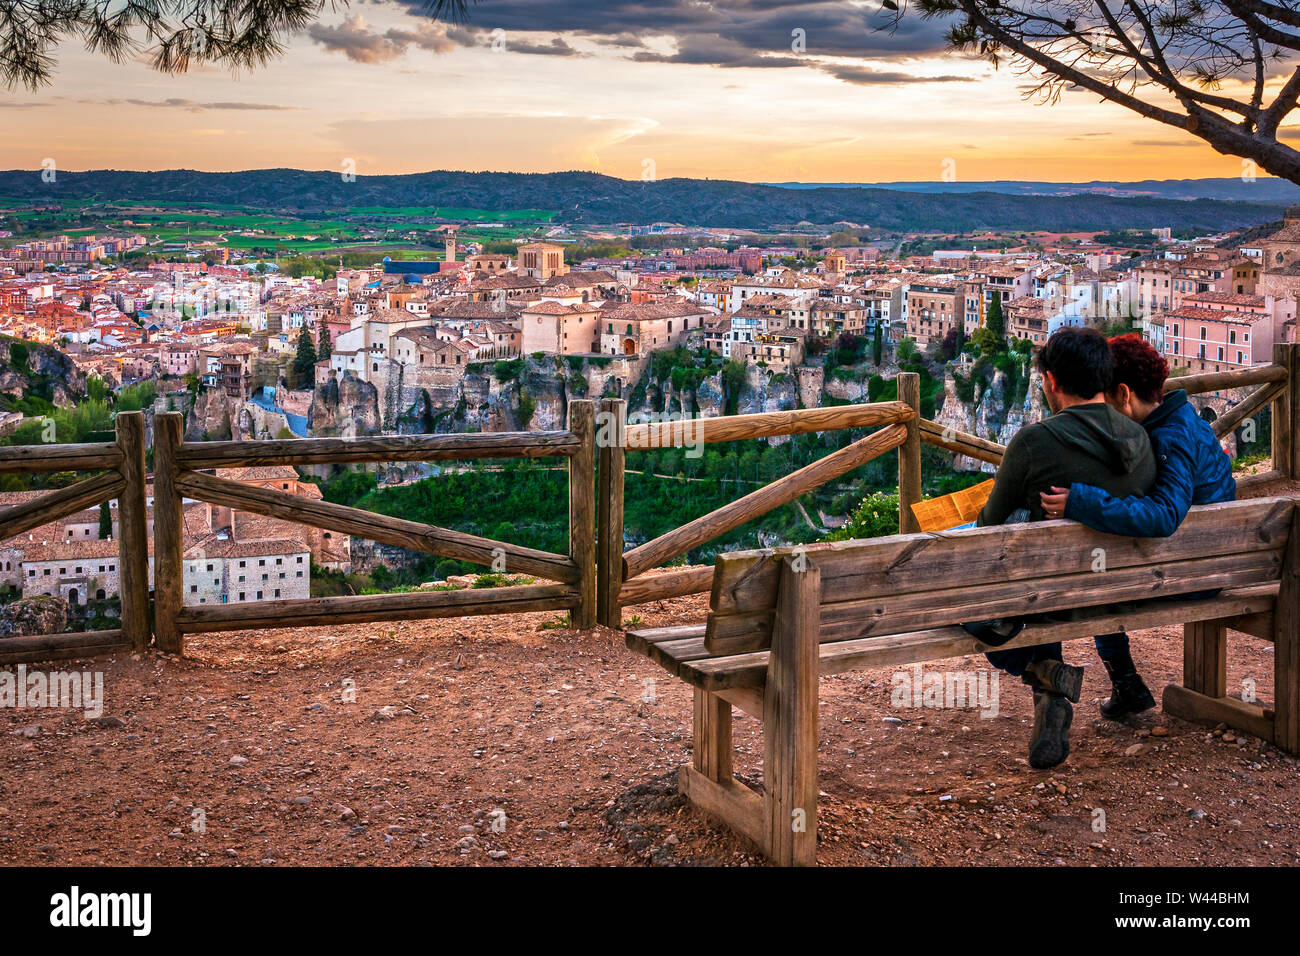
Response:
column 1191, row 469
column 1091, row 443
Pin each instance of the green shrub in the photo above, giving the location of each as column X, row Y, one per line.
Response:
column 875, row 517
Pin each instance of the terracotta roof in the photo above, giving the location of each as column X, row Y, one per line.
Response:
column 215, row 546
column 1214, row 315
column 1226, row 298
column 259, row 473
column 648, row 311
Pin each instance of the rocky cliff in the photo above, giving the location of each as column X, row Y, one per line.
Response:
column 31, row 369
column 995, row 414
column 534, row 392
column 212, row 417
column 42, row 614
column 344, row 407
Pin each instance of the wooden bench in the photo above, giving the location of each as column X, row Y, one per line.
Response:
column 778, row 618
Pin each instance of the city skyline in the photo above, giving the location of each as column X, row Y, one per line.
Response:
column 551, row 91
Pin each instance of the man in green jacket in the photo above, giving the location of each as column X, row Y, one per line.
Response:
column 1085, row 440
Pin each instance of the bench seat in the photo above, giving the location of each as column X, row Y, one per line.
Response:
column 680, row 650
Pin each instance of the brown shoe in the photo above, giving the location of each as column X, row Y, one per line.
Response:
column 1050, row 743
column 1055, row 677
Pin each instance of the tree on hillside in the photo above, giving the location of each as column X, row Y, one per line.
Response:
column 877, row 344
column 994, row 320
column 324, row 348
column 304, row 360
column 105, row 522
column 1179, row 64
column 173, row 35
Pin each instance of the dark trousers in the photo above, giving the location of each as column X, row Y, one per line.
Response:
column 1111, row 646
column 1014, row 660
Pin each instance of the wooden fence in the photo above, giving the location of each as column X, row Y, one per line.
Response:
column 622, row 578
column 120, row 474
column 593, row 582
column 178, row 467
column 622, row 575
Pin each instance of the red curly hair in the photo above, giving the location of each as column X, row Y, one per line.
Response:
column 1139, row 366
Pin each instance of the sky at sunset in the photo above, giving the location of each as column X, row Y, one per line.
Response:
column 703, row 90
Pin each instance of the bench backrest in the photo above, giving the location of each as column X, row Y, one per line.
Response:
column 911, row 581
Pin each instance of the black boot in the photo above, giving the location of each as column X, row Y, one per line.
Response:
column 1050, row 743
column 1056, row 677
column 1128, row 692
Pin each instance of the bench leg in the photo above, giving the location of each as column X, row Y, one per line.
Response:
column 790, row 721
column 1203, row 695
column 712, row 736
column 1205, row 658
column 707, row 782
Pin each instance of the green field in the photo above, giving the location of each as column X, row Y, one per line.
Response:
column 360, row 228
column 452, row 212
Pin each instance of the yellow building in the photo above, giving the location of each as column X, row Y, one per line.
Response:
column 541, row 260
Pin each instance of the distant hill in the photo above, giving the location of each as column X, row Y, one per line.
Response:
column 592, row 199
column 1264, row 189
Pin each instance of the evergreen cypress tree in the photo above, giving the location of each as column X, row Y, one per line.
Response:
column 304, row 359
column 877, row 345
column 323, row 347
column 105, row 522
column 994, row 320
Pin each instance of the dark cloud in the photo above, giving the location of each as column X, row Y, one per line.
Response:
column 514, row 43
column 865, row 77
column 760, row 28
column 192, row 106
column 762, row 34
column 557, row 47
column 717, row 51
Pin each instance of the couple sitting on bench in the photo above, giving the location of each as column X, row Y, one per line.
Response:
column 1119, row 456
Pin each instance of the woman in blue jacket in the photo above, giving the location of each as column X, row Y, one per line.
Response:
column 1192, row 469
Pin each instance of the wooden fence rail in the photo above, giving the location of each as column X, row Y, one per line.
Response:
column 620, row 575
column 123, row 477
column 178, row 467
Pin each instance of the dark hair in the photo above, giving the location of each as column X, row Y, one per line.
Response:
column 1080, row 361
column 1139, row 366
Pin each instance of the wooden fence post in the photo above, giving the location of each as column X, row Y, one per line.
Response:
column 609, row 518
column 1286, row 646
column 168, row 527
column 133, row 532
column 1286, row 449
column 582, row 511
column 909, row 455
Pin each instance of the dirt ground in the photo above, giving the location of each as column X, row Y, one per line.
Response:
column 254, row 736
